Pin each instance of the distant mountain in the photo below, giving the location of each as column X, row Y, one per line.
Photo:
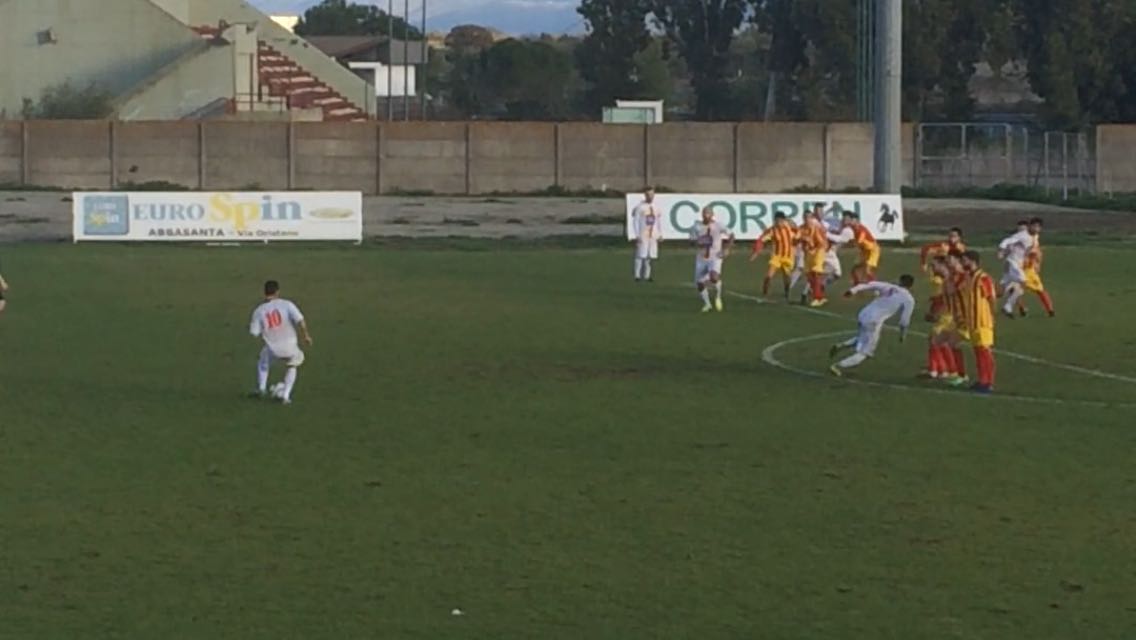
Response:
column 514, row 17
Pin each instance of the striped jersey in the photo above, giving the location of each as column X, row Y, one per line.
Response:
column 978, row 297
column 862, row 237
column 953, row 298
column 783, row 235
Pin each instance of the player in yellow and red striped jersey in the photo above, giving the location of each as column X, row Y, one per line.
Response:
column 783, row 236
column 865, row 268
column 814, row 240
column 944, row 350
column 942, row 248
column 978, row 300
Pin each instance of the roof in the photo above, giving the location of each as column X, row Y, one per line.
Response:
column 338, row 46
column 370, row 49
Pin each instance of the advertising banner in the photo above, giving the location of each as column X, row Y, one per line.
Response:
column 217, row 216
column 748, row 215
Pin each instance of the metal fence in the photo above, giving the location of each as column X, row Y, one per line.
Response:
column 976, row 154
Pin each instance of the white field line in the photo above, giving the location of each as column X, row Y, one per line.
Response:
column 1096, row 373
column 769, row 356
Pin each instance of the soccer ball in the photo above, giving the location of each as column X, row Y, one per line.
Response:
column 277, row 391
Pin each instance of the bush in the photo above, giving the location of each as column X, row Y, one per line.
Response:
column 66, row 102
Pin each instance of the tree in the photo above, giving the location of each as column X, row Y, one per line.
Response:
column 1079, row 53
column 66, row 102
column 345, row 18
column 606, row 58
column 516, row 80
column 469, row 38
column 701, row 31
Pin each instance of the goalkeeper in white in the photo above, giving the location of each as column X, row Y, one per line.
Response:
column 890, row 300
column 276, row 321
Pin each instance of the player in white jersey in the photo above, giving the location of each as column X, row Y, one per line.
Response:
column 276, row 321
column 3, row 288
column 647, row 225
column 1013, row 250
column 839, row 236
column 714, row 242
column 890, row 300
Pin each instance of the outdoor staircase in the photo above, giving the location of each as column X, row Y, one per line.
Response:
column 280, row 78
column 283, row 78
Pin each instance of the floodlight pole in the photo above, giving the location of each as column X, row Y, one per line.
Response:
column 888, row 96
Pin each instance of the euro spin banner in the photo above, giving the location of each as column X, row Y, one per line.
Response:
column 217, row 216
column 748, row 215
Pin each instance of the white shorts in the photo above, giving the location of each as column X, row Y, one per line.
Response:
column 1015, row 273
column 290, row 358
column 798, row 260
column 703, row 267
column 832, row 264
column 647, row 248
column 868, row 338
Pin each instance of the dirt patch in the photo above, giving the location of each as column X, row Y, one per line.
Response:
column 979, row 220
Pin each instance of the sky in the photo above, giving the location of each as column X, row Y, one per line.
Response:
column 511, row 16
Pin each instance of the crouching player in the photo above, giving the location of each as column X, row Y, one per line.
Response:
column 890, row 300
column 276, row 321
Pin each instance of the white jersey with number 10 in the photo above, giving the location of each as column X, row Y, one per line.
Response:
column 275, row 321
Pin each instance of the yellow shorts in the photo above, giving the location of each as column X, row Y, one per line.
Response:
column 782, row 264
column 944, row 325
column 814, row 261
column 982, row 337
column 1033, row 280
column 870, row 257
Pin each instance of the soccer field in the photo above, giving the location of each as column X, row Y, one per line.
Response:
column 529, row 437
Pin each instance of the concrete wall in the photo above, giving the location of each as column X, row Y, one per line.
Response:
column 69, row 153
column 115, row 45
column 699, row 156
column 600, row 156
column 429, row 156
column 512, row 157
column 241, row 155
column 200, row 77
column 1116, row 159
column 11, row 153
column 779, row 156
column 476, row 157
column 157, row 151
column 336, row 155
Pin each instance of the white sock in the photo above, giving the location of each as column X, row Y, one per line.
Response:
column 718, row 290
column 262, row 367
column 638, row 267
column 705, row 293
column 1015, row 295
column 793, row 278
column 851, row 361
column 647, row 269
column 289, row 382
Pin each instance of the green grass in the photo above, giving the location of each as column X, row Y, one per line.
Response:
column 528, row 436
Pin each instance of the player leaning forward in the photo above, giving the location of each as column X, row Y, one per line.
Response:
column 714, row 241
column 276, row 321
column 647, row 225
column 890, row 300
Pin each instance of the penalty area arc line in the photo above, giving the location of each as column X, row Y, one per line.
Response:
column 1095, row 373
column 769, row 356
